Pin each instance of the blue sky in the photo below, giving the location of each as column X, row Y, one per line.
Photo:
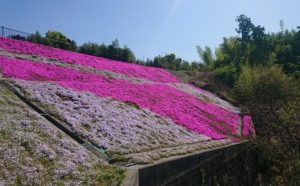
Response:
column 148, row 27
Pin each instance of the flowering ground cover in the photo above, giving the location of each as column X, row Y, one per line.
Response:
column 23, row 69
column 138, row 134
column 116, row 126
column 248, row 129
column 184, row 109
column 140, row 112
column 132, row 70
column 81, row 68
column 206, row 96
column 34, row 152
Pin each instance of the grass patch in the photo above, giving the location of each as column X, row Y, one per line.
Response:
column 109, row 175
column 5, row 134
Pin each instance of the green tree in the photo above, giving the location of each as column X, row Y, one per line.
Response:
column 285, row 49
column 226, row 75
column 89, row 48
column 195, row 66
column 112, row 51
column 258, row 48
column 273, row 100
column 206, row 56
column 58, row 40
column 228, row 52
column 254, row 45
column 185, row 65
column 38, row 38
column 259, row 86
column 169, row 61
column 245, row 27
column 127, row 55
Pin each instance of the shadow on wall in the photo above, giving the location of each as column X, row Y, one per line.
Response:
column 231, row 165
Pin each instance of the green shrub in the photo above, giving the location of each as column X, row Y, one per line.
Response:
column 226, row 74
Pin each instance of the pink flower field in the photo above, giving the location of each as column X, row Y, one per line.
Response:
column 184, row 109
column 131, row 70
column 26, row 70
column 248, row 129
column 115, row 112
column 206, row 96
column 109, row 123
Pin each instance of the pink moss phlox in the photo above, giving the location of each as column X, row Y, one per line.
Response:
column 26, row 70
column 131, row 70
column 207, row 96
column 109, row 123
column 184, row 109
column 248, row 129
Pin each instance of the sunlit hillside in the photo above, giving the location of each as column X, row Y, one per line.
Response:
column 130, row 113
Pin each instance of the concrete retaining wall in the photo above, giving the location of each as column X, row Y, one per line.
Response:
column 232, row 165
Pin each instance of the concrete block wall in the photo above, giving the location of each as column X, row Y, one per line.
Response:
column 231, row 165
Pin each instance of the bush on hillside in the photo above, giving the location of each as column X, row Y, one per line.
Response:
column 226, row 75
column 273, row 100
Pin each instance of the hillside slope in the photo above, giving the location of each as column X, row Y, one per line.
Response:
column 139, row 113
column 34, row 152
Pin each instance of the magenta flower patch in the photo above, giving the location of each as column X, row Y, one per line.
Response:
column 131, row 70
column 195, row 109
column 248, row 129
column 183, row 109
column 26, row 70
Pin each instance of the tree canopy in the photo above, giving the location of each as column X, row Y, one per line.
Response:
column 55, row 39
column 112, row 51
